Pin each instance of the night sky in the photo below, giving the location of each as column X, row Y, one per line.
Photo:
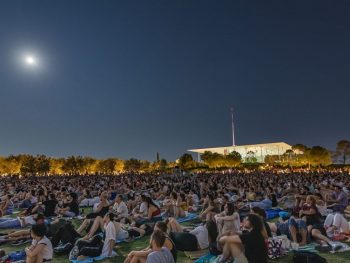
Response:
column 132, row 78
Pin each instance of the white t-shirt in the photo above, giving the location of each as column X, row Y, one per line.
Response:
column 144, row 209
column 195, row 199
column 162, row 256
column 121, row 209
column 28, row 220
column 110, row 234
column 47, row 251
column 201, row 233
column 122, row 234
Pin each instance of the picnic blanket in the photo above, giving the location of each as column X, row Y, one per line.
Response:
column 189, row 217
column 90, row 260
column 206, row 258
column 272, row 213
column 196, row 254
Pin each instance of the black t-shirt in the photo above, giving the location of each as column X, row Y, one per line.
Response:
column 273, row 198
column 255, row 248
column 74, row 207
column 50, row 206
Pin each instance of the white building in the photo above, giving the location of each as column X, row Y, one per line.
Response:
column 259, row 151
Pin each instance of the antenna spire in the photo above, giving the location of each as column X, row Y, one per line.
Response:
column 233, row 129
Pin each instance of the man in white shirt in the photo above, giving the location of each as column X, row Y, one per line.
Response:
column 120, row 209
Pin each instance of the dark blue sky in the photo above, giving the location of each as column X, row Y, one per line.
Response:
column 130, row 78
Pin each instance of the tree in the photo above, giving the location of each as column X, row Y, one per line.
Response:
column 186, row 161
column 301, row 154
column 271, row 159
column 106, row 166
column 28, row 165
column 11, row 164
column 70, row 165
column 163, row 164
column 318, row 156
column 216, row 160
column 343, row 150
column 299, row 148
column 250, row 157
column 56, row 165
column 233, row 159
column 42, row 164
column 132, row 165
column 119, row 165
column 145, row 166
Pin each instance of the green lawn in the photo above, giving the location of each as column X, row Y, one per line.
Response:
column 124, row 248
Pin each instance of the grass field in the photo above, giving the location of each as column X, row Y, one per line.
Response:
column 124, row 248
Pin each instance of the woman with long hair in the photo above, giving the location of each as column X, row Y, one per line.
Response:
column 250, row 246
column 228, row 220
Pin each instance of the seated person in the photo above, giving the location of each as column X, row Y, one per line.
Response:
column 170, row 205
column 210, row 208
column 48, row 207
column 41, row 248
column 336, row 223
column 228, row 220
column 338, row 199
column 181, row 206
column 160, row 253
column 196, row 239
column 94, row 246
column 101, row 208
column 293, row 228
column 70, row 207
column 261, row 212
column 6, row 205
column 28, row 200
column 153, row 213
column 141, row 256
column 120, row 209
column 250, row 246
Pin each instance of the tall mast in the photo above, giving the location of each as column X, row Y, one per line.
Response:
column 233, row 129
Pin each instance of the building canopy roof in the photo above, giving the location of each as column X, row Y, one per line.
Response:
column 239, row 148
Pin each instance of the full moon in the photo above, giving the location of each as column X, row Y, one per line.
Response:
column 30, row 60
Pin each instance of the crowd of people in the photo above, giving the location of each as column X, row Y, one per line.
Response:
column 230, row 209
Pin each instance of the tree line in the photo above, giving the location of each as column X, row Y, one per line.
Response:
column 41, row 164
column 299, row 156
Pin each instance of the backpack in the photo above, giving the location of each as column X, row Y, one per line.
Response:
column 307, row 257
column 275, row 248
